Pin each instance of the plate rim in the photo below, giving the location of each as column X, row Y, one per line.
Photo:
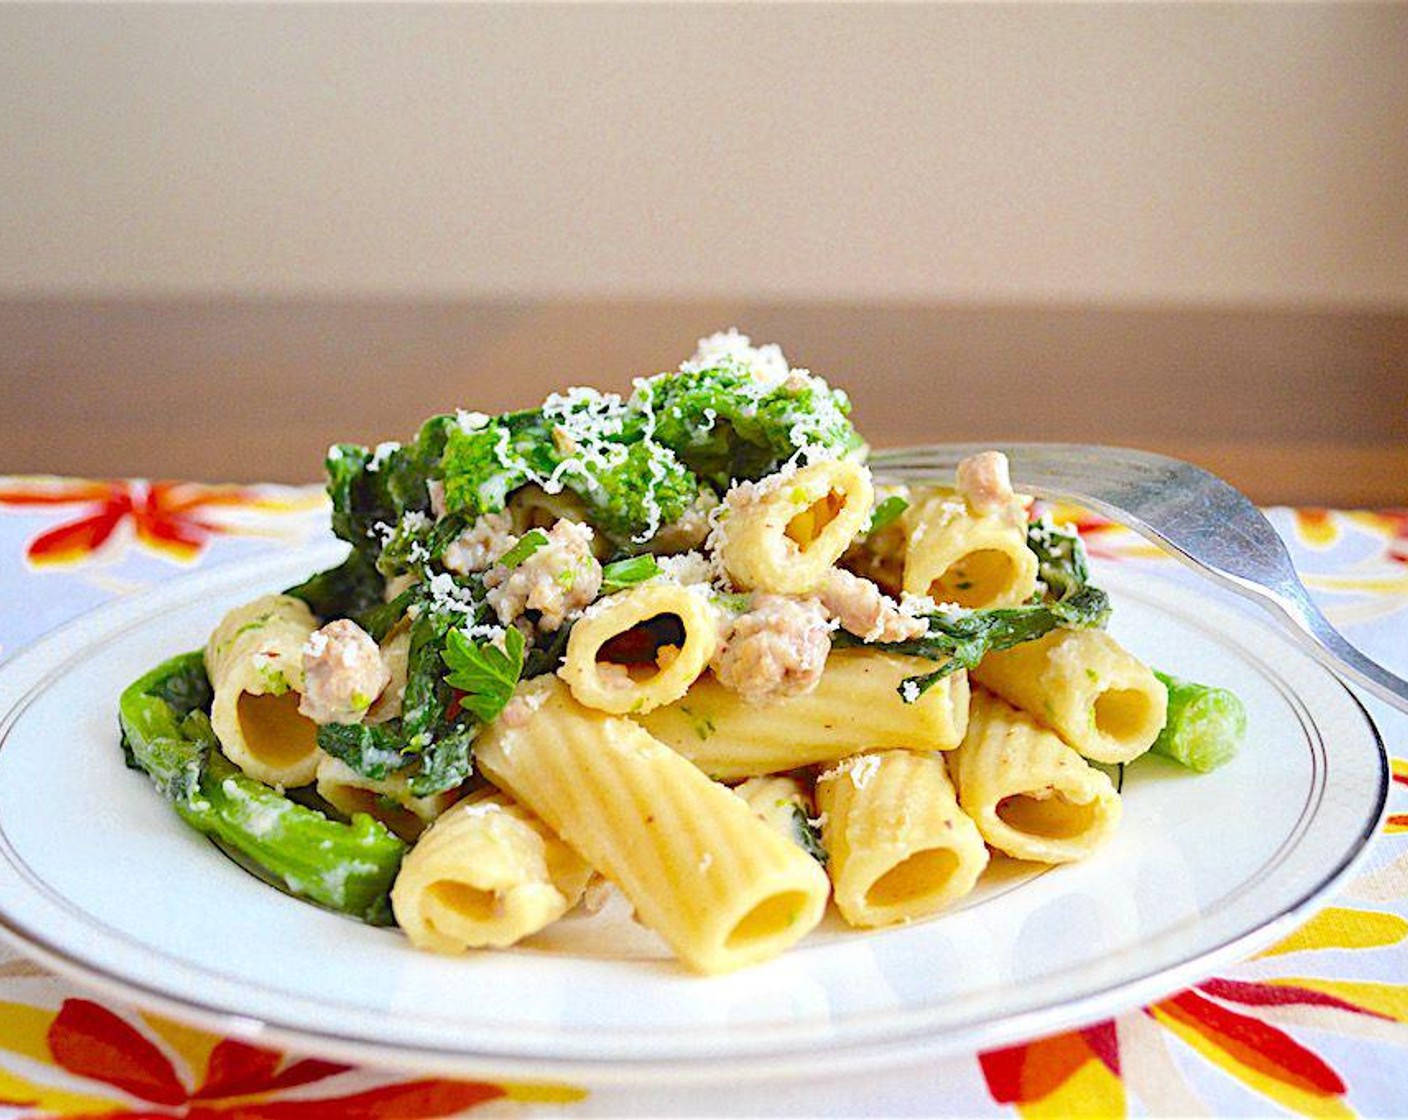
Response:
column 53, row 653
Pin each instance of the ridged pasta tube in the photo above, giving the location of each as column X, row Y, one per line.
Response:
column 1030, row 795
column 788, row 536
column 486, row 873
column 701, row 870
column 1101, row 699
column 255, row 663
column 856, row 706
column 958, row 556
column 389, row 799
column 900, row 848
column 665, row 635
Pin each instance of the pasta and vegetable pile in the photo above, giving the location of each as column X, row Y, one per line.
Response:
column 680, row 645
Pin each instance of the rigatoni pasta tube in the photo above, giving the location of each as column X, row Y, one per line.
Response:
column 856, row 706
column 664, row 635
column 388, row 799
column 255, row 663
column 1030, row 795
column 956, row 555
column 791, row 532
column 1101, row 699
column 486, row 873
column 899, row 846
column 700, row 869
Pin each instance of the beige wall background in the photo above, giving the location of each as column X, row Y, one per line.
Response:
column 1147, row 154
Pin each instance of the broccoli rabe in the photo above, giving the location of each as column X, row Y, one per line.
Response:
column 630, row 484
column 961, row 638
column 725, row 424
column 1061, row 560
column 166, row 733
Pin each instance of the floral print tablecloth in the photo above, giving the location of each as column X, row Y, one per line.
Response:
column 1316, row 1025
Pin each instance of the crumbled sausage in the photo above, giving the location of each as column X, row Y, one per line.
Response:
column 557, row 580
column 984, row 483
column 481, row 544
column 864, row 610
column 776, row 649
column 343, row 673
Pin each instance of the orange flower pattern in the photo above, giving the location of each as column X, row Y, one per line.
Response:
column 172, row 519
column 1314, row 1026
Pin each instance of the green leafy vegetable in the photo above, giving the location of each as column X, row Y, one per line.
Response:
column 342, row 591
column 886, row 512
column 630, row 483
column 1061, row 560
column 374, row 751
column 166, row 733
column 962, row 638
column 528, row 544
column 807, row 835
column 1205, row 726
column 726, row 425
column 620, row 574
column 486, row 674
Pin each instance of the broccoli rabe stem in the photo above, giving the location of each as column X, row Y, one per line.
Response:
column 166, row 733
column 1205, row 724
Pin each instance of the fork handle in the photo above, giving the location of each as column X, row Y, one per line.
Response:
column 1320, row 638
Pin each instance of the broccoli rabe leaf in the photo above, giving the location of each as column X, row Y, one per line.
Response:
column 484, row 673
column 373, row 751
column 961, row 638
column 620, row 574
column 369, row 490
column 381, row 619
column 1061, row 560
column 886, row 512
column 447, row 763
column 807, row 835
column 343, row 591
column 528, row 544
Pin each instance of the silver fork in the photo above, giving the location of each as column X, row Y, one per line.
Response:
column 1182, row 508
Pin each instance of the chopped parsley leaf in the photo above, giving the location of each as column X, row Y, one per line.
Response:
column 484, row 673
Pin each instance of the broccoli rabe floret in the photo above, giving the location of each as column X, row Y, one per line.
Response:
column 630, row 484
column 726, row 424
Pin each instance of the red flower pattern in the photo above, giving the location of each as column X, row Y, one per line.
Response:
column 95, row 1044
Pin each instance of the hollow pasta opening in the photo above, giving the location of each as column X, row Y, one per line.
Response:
column 975, row 579
column 809, row 524
column 469, row 902
column 920, row 875
column 1122, row 713
column 401, row 821
column 771, row 917
column 1052, row 817
column 273, row 730
column 646, row 648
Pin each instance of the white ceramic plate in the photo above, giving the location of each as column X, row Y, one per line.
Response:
column 99, row 879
